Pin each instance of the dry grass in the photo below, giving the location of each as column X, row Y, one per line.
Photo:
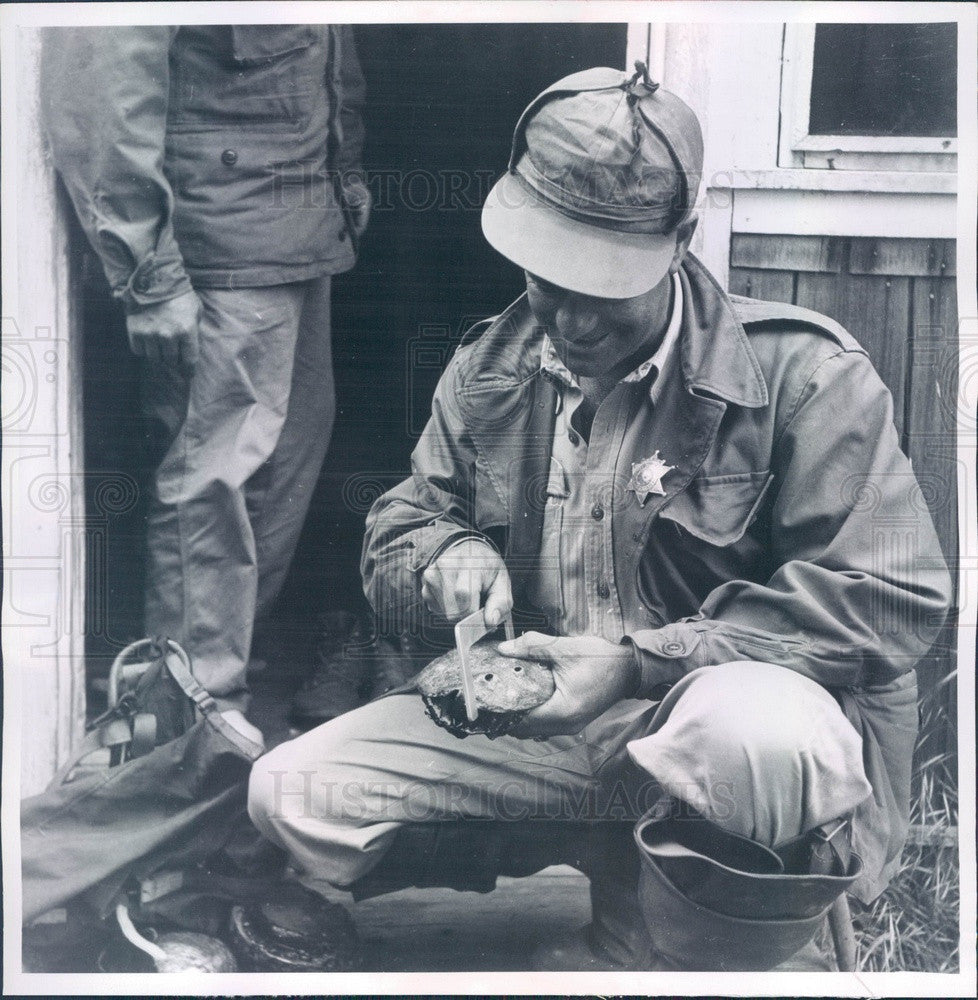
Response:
column 913, row 926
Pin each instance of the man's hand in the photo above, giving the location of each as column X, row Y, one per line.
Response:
column 167, row 331
column 590, row 675
column 455, row 584
column 358, row 203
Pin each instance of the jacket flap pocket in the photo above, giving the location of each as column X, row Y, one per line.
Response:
column 489, row 510
column 261, row 42
column 719, row 509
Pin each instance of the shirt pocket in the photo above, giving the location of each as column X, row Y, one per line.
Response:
column 719, row 509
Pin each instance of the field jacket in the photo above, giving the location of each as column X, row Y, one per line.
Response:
column 208, row 154
column 792, row 529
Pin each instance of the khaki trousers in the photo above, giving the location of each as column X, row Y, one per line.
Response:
column 243, row 440
column 757, row 748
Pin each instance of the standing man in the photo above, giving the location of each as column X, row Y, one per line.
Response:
column 216, row 172
column 685, row 485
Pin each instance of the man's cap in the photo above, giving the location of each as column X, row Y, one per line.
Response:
column 604, row 168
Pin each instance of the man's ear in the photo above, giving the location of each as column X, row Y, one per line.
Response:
column 684, row 233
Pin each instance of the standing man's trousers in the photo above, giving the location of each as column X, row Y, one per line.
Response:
column 758, row 749
column 243, row 441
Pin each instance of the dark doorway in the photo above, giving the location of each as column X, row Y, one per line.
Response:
column 442, row 103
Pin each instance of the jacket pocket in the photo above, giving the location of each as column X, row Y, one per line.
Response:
column 266, row 76
column 253, row 43
column 488, row 509
column 719, row 509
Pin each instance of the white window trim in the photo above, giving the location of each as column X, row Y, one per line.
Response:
column 798, row 148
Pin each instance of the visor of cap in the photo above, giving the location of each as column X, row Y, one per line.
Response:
column 570, row 253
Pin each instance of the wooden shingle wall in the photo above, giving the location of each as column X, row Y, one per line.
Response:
column 897, row 298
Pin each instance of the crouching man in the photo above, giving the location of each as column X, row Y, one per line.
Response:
column 681, row 487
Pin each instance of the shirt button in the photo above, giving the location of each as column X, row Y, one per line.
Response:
column 229, row 157
column 597, row 512
column 673, row 648
column 572, row 437
column 603, row 591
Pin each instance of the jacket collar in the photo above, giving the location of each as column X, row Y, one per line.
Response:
column 716, row 357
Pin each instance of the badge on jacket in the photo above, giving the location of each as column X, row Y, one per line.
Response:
column 647, row 477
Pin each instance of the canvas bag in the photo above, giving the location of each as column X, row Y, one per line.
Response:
column 172, row 793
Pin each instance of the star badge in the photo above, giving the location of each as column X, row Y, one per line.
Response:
column 647, row 477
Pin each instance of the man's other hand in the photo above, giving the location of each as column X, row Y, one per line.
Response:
column 590, row 675
column 358, row 202
column 456, row 583
column 167, row 331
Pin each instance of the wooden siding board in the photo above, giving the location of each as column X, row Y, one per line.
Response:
column 775, row 286
column 819, row 292
column 931, row 440
column 931, row 444
column 876, row 311
column 907, row 257
column 786, row 253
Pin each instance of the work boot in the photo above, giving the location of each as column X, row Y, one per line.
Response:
column 581, row 951
column 339, row 672
column 616, row 940
column 394, row 661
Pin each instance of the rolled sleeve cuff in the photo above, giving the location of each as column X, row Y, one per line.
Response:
column 664, row 655
column 156, row 279
column 432, row 543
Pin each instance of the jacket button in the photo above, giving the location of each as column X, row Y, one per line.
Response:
column 141, row 283
column 342, row 234
column 229, row 157
column 603, row 592
column 673, row 648
column 572, row 437
column 597, row 512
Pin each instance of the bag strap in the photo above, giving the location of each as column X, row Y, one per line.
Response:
column 143, row 739
column 178, row 663
column 113, row 730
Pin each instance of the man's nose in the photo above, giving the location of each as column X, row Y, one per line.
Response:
column 576, row 318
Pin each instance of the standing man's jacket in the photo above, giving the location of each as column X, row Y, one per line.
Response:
column 218, row 152
column 792, row 531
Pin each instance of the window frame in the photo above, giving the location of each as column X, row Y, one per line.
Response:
column 799, row 148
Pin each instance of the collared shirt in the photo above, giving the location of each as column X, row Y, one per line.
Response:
column 575, row 580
